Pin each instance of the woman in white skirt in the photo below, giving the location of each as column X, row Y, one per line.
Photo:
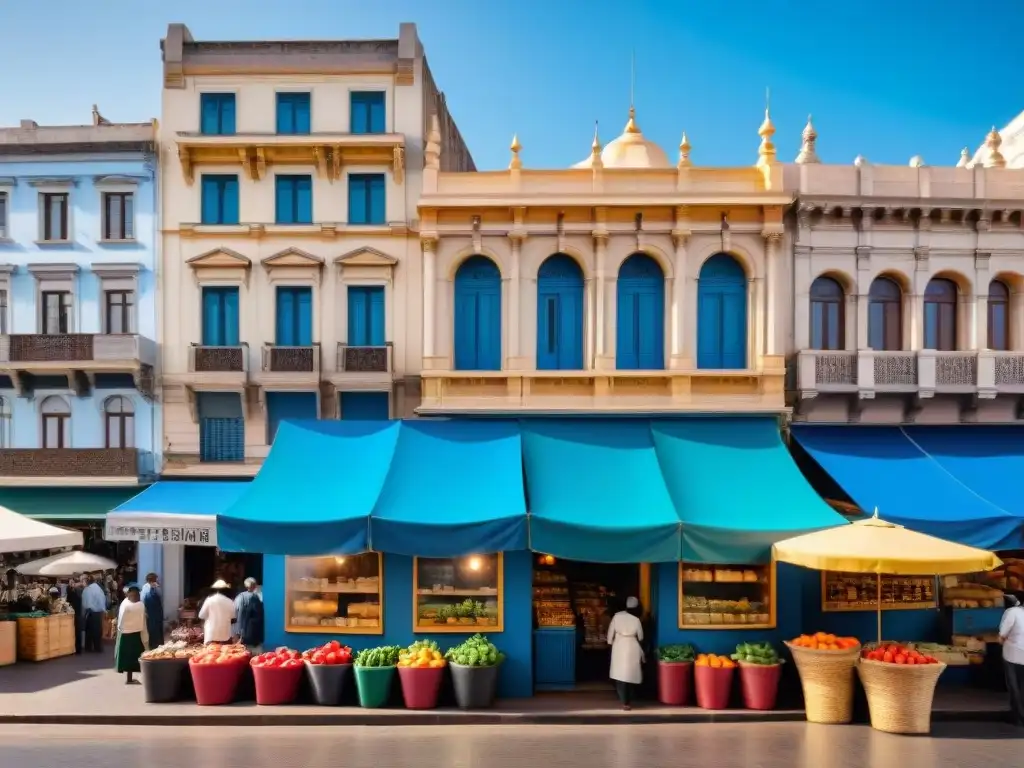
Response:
column 625, row 634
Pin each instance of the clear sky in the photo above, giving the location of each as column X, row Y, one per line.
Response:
column 883, row 78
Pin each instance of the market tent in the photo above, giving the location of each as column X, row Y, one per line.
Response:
column 315, row 491
column 174, row 512
column 66, row 564
column 736, row 488
column 881, row 467
column 596, row 491
column 988, row 459
column 23, row 534
column 454, row 488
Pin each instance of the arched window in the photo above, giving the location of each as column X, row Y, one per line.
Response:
column 885, row 315
column 722, row 314
column 828, row 321
column 998, row 316
column 559, row 314
column 640, row 315
column 56, row 415
column 5, row 423
column 478, row 315
column 940, row 315
column 119, row 416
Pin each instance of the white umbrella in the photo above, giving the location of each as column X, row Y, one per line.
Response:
column 23, row 534
column 66, row 564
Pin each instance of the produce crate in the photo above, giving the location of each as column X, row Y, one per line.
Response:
column 62, row 635
column 34, row 639
column 8, row 642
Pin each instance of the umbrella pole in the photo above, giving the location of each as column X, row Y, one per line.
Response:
column 878, row 584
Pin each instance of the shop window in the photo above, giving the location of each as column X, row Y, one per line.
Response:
column 726, row 596
column 332, row 594
column 463, row 594
column 885, row 315
column 827, row 321
column 998, row 316
column 940, row 324
column 859, row 592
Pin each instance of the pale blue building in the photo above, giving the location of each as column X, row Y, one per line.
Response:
column 79, row 426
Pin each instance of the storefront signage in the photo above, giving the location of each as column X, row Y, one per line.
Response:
column 193, row 534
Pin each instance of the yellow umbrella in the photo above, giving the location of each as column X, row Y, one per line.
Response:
column 876, row 546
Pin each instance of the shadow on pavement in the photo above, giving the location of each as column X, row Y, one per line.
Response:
column 38, row 676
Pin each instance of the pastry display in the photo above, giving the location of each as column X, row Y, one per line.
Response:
column 724, row 596
column 335, row 594
column 859, row 592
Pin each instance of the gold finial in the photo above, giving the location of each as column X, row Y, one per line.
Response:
column 631, row 126
column 595, row 145
column 965, row 158
column 808, row 154
column 432, row 152
column 766, row 152
column 516, row 162
column 995, row 158
column 684, row 152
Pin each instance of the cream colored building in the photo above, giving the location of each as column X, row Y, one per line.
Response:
column 908, row 289
column 585, row 289
column 290, row 174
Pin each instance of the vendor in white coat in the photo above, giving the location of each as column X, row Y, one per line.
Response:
column 625, row 634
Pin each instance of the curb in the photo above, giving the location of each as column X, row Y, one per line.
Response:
column 357, row 717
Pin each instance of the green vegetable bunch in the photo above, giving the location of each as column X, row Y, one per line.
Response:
column 756, row 653
column 382, row 656
column 676, row 653
column 477, row 651
column 419, row 645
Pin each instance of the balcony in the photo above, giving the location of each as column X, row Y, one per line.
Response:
column 74, row 466
column 639, row 392
column 290, row 367
column 79, row 357
column 218, row 366
column 363, row 367
column 186, row 464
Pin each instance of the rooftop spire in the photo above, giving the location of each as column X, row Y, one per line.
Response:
column 965, row 158
column 684, row 152
column 766, row 152
column 515, row 163
column 995, row 158
column 808, row 154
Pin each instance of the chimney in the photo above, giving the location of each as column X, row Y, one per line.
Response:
column 29, row 125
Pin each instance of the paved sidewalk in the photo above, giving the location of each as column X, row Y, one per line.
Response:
column 86, row 690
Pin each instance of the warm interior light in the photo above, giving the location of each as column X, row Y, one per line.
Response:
column 339, row 560
column 474, row 563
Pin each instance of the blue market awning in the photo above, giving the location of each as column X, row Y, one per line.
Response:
column 315, row 491
column 173, row 512
column 596, row 491
column 454, row 488
column 736, row 488
column 882, row 467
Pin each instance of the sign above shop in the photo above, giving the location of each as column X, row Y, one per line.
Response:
column 164, row 529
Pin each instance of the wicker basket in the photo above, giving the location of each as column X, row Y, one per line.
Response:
column 900, row 695
column 827, row 681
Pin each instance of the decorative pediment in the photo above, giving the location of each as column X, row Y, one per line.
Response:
column 366, row 257
column 220, row 258
column 292, row 257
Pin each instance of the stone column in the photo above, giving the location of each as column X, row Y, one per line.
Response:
column 773, row 299
column 677, row 311
column 601, row 254
column 429, row 246
column 863, row 309
column 757, row 349
column 1016, row 308
column 514, row 302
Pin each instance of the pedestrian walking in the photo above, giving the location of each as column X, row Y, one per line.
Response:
column 132, row 639
column 153, row 599
column 217, row 614
column 75, row 600
column 1011, row 633
column 249, row 617
column 625, row 634
column 94, row 608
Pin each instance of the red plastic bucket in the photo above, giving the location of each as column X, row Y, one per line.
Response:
column 760, row 683
column 420, row 687
column 714, row 686
column 217, row 684
column 675, row 682
column 277, row 685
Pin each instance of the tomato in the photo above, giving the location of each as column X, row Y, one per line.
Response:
column 887, row 657
column 335, row 645
column 900, row 659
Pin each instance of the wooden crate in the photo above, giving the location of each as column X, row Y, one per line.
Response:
column 62, row 635
column 34, row 639
column 8, row 642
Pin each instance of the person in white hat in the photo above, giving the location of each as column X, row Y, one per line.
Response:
column 217, row 614
column 624, row 636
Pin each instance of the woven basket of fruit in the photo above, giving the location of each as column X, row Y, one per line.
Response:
column 826, row 663
column 900, row 686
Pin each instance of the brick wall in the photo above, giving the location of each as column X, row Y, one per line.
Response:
column 69, row 462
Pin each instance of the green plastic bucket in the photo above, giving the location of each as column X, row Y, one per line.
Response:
column 374, row 685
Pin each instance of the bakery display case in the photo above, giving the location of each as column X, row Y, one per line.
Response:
column 726, row 596
column 463, row 594
column 329, row 594
column 552, row 605
column 859, row 592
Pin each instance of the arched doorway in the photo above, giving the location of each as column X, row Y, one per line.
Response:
column 640, row 320
column 478, row 315
column 722, row 314
column 559, row 314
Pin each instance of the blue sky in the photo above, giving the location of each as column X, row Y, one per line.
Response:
column 884, row 79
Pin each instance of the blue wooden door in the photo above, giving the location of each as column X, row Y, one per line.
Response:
column 560, row 315
column 722, row 314
column 640, row 315
column 366, row 316
column 294, row 316
column 478, row 315
column 289, row 405
column 220, row 316
column 364, row 406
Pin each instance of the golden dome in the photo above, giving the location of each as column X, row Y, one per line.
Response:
column 630, row 150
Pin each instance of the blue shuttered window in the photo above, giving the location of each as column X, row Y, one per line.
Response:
column 366, row 198
column 293, row 113
column 722, row 314
column 221, row 427
column 217, row 114
column 366, row 316
column 294, row 195
column 294, row 316
column 364, row 406
column 220, row 316
column 219, row 199
column 296, row 406
column 559, row 315
column 478, row 315
column 367, row 112
column 640, row 315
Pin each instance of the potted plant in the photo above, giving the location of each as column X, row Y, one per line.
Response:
column 713, row 680
column 675, row 670
column 474, row 666
column 760, row 672
column 375, row 671
column 329, row 668
column 421, row 671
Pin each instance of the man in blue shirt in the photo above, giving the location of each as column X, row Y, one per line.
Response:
column 249, row 617
column 153, row 600
column 94, row 608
